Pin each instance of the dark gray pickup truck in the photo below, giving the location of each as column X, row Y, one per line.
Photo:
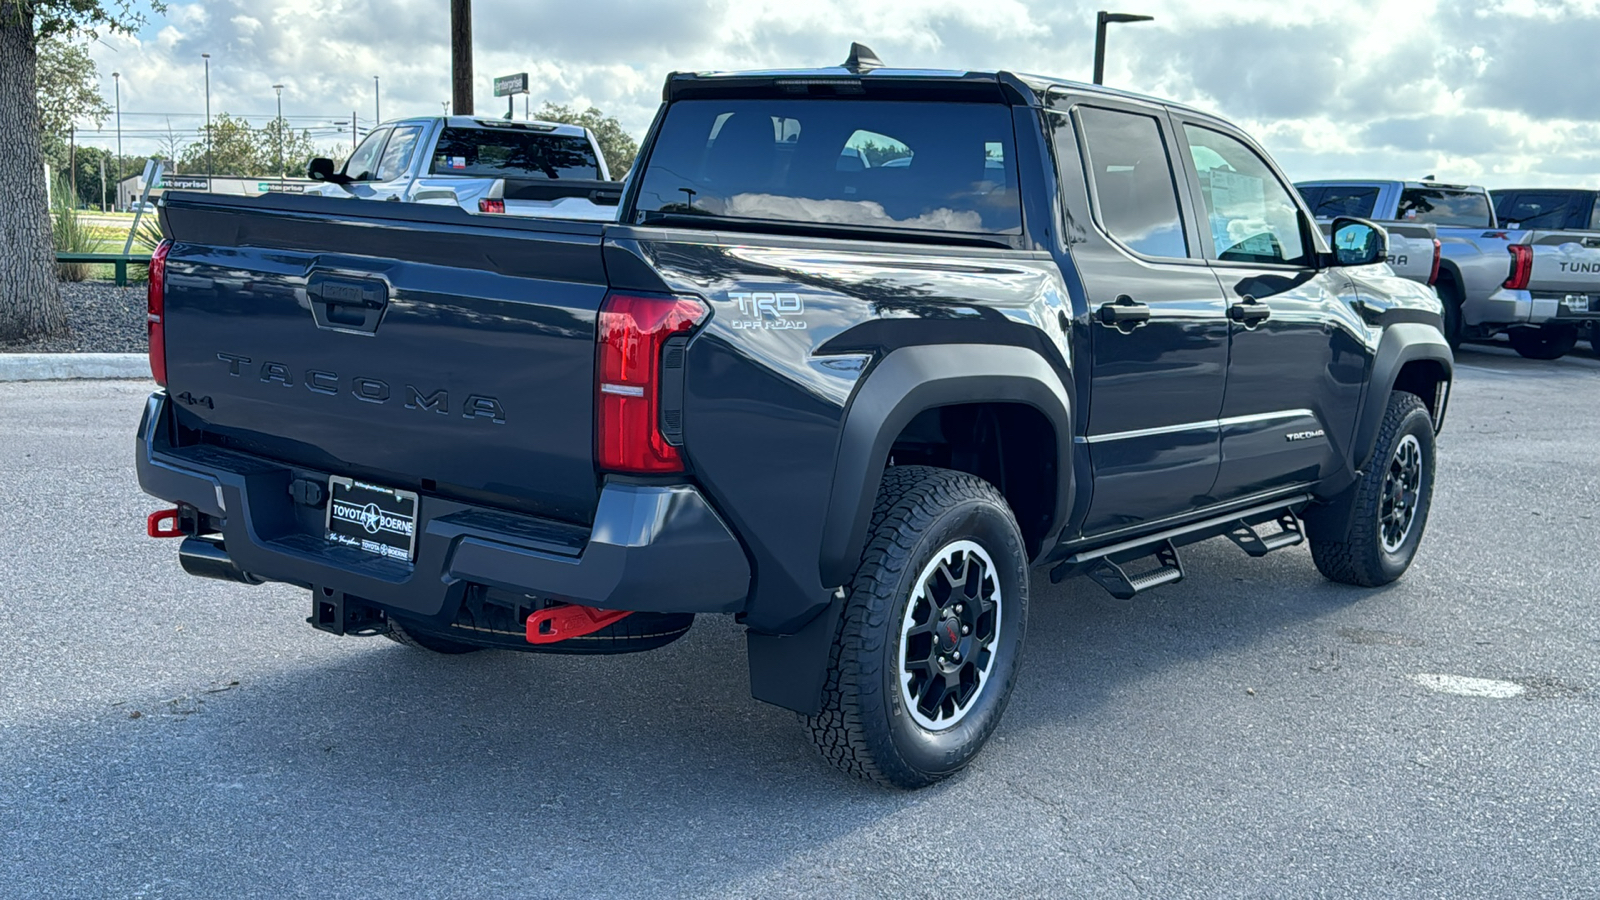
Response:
column 864, row 348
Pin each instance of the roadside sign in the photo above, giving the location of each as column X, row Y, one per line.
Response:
column 506, row 85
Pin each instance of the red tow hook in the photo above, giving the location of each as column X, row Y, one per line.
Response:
column 560, row 623
column 163, row 524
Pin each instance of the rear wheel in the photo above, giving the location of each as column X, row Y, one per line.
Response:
column 1450, row 298
column 1391, row 502
column 926, row 652
column 1546, row 342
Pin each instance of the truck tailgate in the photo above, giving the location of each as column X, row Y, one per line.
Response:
column 1565, row 262
column 411, row 346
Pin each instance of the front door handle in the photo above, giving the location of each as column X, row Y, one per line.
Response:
column 1249, row 312
column 1124, row 314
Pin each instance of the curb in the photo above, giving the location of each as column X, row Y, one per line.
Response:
column 73, row 366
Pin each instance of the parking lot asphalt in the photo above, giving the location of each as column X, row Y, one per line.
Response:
column 1251, row 731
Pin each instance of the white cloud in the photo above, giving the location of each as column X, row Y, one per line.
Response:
column 1489, row 91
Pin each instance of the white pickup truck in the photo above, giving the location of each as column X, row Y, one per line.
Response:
column 1540, row 287
column 495, row 166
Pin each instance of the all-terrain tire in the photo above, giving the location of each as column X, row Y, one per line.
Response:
column 925, row 525
column 413, row 635
column 1544, row 343
column 1366, row 554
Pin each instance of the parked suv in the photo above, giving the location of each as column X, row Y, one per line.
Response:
column 851, row 406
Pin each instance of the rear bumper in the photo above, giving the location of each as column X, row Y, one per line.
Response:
column 1508, row 307
column 655, row 548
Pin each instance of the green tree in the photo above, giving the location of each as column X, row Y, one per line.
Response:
column 618, row 146
column 68, row 91
column 239, row 149
column 30, row 294
column 297, row 149
column 232, row 149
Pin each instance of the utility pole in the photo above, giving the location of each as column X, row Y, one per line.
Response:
column 377, row 102
column 73, row 143
column 461, row 56
column 1101, row 19
column 278, row 89
column 211, row 170
column 116, row 78
column 102, row 184
column 352, row 130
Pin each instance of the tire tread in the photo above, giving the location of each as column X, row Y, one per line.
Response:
column 909, row 500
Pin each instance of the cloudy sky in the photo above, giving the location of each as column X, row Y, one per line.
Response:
column 1496, row 92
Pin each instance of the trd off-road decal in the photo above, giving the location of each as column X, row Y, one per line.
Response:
column 769, row 310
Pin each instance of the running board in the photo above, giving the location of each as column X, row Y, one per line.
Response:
column 1256, row 544
column 1118, row 583
column 1107, row 566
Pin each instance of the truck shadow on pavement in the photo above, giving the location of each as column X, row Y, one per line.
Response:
column 559, row 767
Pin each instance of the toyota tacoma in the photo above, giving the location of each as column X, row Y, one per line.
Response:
column 864, row 348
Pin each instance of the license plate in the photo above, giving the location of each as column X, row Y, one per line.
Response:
column 1578, row 303
column 376, row 519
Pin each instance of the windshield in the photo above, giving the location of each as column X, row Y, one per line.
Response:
column 1439, row 206
column 514, row 153
column 885, row 164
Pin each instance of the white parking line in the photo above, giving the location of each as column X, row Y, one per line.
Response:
column 1463, row 686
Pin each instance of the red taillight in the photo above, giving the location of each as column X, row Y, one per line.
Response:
column 156, row 312
column 487, row 205
column 1433, row 276
column 1521, row 267
column 632, row 332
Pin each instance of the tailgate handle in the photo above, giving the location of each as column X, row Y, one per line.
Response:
column 345, row 303
column 1591, row 242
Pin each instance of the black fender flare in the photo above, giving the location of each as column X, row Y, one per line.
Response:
column 904, row 383
column 1402, row 343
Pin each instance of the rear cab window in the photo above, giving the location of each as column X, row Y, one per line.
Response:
column 1540, row 209
column 513, row 152
column 902, row 165
column 1333, row 201
column 1445, row 206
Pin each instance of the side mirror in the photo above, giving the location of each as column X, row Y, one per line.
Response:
column 1358, row 242
column 320, row 169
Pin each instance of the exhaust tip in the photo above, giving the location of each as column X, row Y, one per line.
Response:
column 205, row 558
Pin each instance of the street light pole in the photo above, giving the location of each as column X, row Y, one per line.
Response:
column 116, row 78
column 1101, row 19
column 278, row 89
column 210, row 167
column 377, row 103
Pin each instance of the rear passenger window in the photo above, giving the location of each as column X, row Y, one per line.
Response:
column 1135, row 195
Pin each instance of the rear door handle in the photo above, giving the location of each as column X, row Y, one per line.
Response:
column 1124, row 314
column 1249, row 312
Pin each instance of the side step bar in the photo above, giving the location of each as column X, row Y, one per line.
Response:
column 1110, row 566
column 1258, row 545
column 1119, row 584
